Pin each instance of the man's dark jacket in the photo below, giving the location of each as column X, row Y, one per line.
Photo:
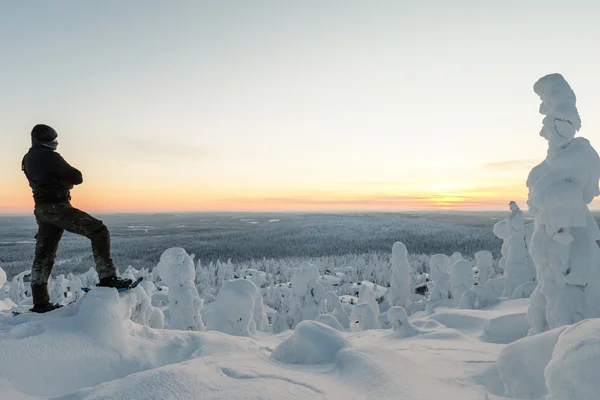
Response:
column 49, row 175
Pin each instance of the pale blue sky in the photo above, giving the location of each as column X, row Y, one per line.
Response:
column 238, row 104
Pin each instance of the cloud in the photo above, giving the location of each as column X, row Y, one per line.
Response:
column 512, row 164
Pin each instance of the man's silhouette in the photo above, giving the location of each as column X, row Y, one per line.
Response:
column 51, row 178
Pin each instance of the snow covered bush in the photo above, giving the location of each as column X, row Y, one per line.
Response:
column 279, row 322
column 363, row 315
column 461, row 279
column 400, row 323
column 176, row 268
column 143, row 312
column 367, row 295
column 400, row 282
column 307, row 294
column 563, row 245
column 485, row 266
column 17, row 291
column 238, row 309
column 59, row 289
column 311, row 343
column 342, row 317
column 331, row 301
column 89, row 278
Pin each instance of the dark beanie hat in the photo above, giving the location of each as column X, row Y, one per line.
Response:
column 43, row 134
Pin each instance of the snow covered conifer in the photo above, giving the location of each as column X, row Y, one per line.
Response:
column 307, row 294
column 519, row 267
column 400, row 281
column 456, row 256
column 563, row 244
column 364, row 315
column 58, row 289
column 400, row 323
column 367, row 295
column 238, row 309
column 17, row 291
column 176, row 268
column 461, row 279
column 485, row 264
column 439, row 289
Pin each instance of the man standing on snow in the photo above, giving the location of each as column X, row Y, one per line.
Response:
column 51, row 178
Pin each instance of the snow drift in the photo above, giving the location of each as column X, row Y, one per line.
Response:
column 311, row 343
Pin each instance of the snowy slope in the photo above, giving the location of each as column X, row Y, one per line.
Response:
column 91, row 350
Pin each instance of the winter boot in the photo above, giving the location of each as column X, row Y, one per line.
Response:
column 115, row 282
column 41, row 299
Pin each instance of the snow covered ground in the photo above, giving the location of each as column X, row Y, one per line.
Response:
column 91, row 350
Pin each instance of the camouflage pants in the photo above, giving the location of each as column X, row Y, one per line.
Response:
column 53, row 220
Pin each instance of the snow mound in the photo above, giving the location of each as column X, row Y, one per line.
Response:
column 572, row 373
column 521, row 364
column 90, row 342
column 311, row 343
column 503, row 323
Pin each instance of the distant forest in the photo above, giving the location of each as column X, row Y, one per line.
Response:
column 139, row 240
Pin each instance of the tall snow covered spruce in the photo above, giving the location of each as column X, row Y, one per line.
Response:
column 176, row 268
column 517, row 264
column 400, row 282
column 307, row 294
column 563, row 245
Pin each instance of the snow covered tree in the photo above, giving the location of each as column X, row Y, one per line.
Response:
column 461, row 279
column 307, row 294
column 143, row 312
column 367, row 295
column 399, row 293
column 485, row 265
column 331, row 301
column 456, row 256
column 202, row 279
column 58, row 289
column 439, row 287
column 519, row 267
column 17, row 291
column 400, row 323
column 176, row 268
column 238, row 309
column 363, row 314
column 563, row 245
column 340, row 314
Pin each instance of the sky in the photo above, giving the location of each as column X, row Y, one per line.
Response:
column 290, row 105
